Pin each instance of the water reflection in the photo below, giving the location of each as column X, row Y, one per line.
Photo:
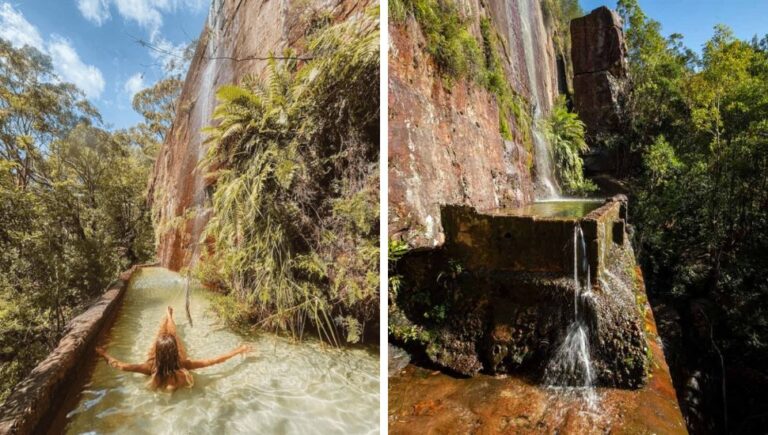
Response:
column 556, row 208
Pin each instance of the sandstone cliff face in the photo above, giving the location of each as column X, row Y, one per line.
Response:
column 599, row 53
column 239, row 36
column 444, row 144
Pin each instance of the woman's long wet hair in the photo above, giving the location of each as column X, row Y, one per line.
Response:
column 166, row 359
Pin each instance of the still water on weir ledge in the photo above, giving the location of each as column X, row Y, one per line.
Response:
column 281, row 387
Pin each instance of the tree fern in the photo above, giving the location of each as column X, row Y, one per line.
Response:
column 565, row 132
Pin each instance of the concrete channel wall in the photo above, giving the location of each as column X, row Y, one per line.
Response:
column 35, row 401
column 519, row 243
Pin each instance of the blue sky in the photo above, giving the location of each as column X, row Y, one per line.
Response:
column 92, row 43
column 695, row 19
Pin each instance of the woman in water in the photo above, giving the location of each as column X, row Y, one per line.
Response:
column 167, row 362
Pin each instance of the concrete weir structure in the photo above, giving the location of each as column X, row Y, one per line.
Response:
column 500, row 294
column 537, row 238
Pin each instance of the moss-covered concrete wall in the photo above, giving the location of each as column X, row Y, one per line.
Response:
column 499, row 295
column 519, row 243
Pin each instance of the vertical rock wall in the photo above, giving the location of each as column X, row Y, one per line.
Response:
column 600, row 80
column 445, row 145
column 238, row 36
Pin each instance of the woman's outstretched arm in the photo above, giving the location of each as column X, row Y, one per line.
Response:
column 136, row 368
column 198, row 364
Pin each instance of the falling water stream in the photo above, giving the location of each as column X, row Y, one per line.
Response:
column 547, row 187
column 571, row 365
column 204, row 107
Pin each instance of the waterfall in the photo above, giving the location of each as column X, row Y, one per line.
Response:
column 204, row 107
column 186, row 300
column 571, row 365
column 546, row 186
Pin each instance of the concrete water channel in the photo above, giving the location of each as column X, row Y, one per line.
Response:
column 282, row 386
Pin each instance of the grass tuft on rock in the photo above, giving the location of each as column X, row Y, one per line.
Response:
column 459, row 54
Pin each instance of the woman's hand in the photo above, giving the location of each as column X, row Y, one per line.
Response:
column 202, row 363
column 111, row 361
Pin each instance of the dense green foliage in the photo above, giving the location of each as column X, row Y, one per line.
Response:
column 657, row 67
column 72, row 207
column 565, row 133
column 157, row 104
column 449, row 38
column 699, row 127
column 295, row 209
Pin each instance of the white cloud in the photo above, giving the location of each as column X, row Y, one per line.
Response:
column 71, row 69
column 66, row 62
column 17, row 30
column 149, row 15
column 146, row 13
column 134, row 84
column 96, row 11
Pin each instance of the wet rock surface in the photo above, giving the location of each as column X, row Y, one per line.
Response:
column 237, row 40
column 512, row 323
column 425, row 401
column 445, row 145
column 398, row 359
column 475, row 306
column 600, row 70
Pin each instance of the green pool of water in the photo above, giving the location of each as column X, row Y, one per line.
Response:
column 571, row 209
column 282, row 387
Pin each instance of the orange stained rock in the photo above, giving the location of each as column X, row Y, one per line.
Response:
column 420, row 403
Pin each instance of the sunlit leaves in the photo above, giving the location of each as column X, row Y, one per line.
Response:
column 295, row 215
column 73, row 207
column 701, row 195
column 565, row 132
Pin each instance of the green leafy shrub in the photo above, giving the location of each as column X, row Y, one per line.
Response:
column 73, row 208
column 295, row 219
column 696, row 157
column 565, row 132
column 397, row 250
column 557, row 17
column 449, row 40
